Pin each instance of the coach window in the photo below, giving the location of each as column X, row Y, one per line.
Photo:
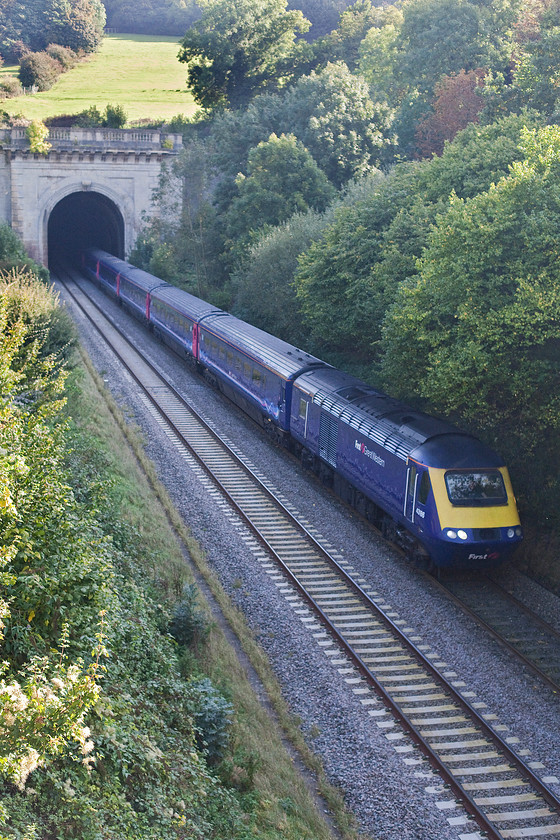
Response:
column 256, row 375
column 303, row 408
column 424, row 490
column 247, row 370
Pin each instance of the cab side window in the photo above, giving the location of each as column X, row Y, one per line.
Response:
column 424, row 489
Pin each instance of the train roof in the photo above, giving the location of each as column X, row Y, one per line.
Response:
column 185, row 303
column 284, row 359
column 394, row 425
column 146, row 281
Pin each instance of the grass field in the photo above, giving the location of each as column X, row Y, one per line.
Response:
column 139, row 72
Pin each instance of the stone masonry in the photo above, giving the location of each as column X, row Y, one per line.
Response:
column 122, row 165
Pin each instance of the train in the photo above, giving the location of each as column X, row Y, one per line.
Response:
column 440, row 493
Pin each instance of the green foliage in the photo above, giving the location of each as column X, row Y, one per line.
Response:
column 538, row 72
column 343, row 43
column 156, row 17
column 379, row 53
column 80, row 757
column 37, row 133
column 212, row 715
column 441, row 37
column 235, row 50
column 38, row 69
column 351, row 274
column 33, row 24
column 65, row 56
column 10, row 86
column 270, row 265
column 115, row 116
column 11, row 248
column 189, row 625
column 331, row 112
column 92, row 116
column 481, row 318
column 77, row 24
column 282, row 179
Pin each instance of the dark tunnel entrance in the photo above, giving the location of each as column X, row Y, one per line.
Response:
column 82, row 220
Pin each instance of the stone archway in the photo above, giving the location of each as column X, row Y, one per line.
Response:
column 83, row 219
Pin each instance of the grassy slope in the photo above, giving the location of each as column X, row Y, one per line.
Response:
column 139, row 72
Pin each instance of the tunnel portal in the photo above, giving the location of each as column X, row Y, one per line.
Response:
column 81, row 220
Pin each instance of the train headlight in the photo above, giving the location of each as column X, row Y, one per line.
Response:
column 462, row 535
column 518, row 532
column 511, row 533
column 451, row 534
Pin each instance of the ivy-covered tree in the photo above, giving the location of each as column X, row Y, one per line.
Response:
column 238, row 49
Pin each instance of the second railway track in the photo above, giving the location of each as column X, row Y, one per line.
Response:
column 497, row 786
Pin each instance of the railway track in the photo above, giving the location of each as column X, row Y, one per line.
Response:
column 514, row 625
column 500, row 790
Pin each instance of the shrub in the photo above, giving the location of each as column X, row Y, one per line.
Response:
column 37, row 133
column 212, row 715
column 66, row 57
column 10, row 86
column 189, row 624
column 39, row 69
column 115, row 116
column 91, row 117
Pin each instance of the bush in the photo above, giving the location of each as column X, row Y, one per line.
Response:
column 90, row 118
column 115, row 116
column 66, row 57
column 39, row 69
column 212, row 716
column 189, row 624
column 10, row 86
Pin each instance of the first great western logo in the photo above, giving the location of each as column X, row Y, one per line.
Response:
column 369, row 453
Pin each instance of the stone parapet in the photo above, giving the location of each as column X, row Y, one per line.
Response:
column 96, row 139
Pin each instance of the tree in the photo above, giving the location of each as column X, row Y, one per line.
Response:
column 272, row 262
column 154, row 17
column 235, row 50
column 343, row 43
column 33, row 24
column 331, row 112
column 350, row 276
column 21, row 21
column 537, row 75
column 441, row 37
column 379, row 55
column 476, row 334
column 282, row 179
column 77, row 24
column 456, row 104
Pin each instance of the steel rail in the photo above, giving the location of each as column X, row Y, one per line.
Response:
column 512, row 647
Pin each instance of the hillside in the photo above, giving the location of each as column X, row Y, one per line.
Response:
column 139, row 72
